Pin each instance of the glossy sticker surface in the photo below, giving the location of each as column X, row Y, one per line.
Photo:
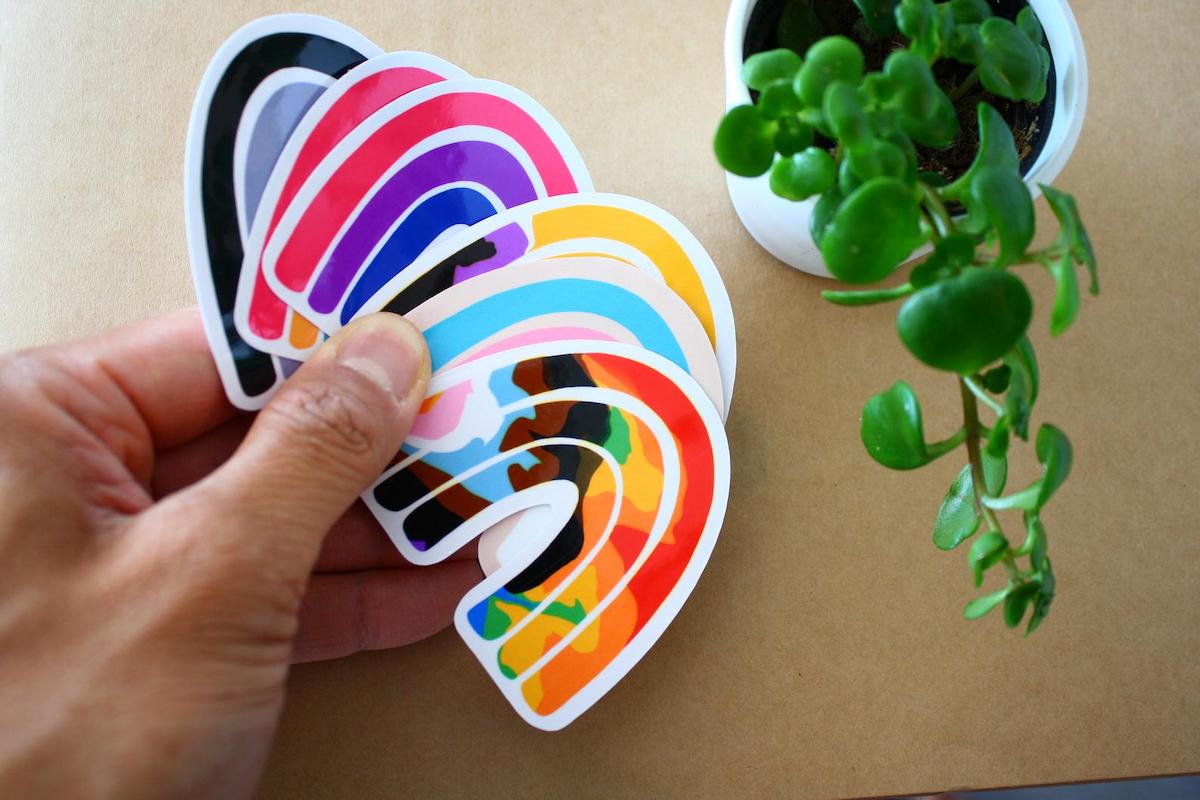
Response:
column 582, row 344
column 262, row 318
column 446, row 155
column 562, row 300
column 630, row 460
column 609, row 225
column 253, row 94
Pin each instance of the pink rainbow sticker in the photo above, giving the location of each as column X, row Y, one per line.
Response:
column 441, row 157
column 262, row 318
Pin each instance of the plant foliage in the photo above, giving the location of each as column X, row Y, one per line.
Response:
column 965, row 311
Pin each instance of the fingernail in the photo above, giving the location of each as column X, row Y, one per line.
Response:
column 386, row 349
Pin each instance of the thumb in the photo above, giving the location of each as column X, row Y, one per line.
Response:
column 322, row 440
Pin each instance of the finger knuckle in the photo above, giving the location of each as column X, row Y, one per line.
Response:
column 333, row 420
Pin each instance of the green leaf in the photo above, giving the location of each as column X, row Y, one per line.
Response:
column 822, row 215
column 1023, row 386
column 745, row 142
column 916, row 20
column 1035, row 541
column 892, row 430
column 763, row 69
column 957, row 250
column 987, row 550
column 1027, row 23
column 1055, row 454
column 943, row 30
column 969, row 11
column 1066, row 295
column 995, row 472
column 877, row 89
column 995, row 380
column 938, row 128
column 957, row 520
column 875, row 158
column 814, row 118
column 996, row 149
column 845, row 113
column 834, row 58
column 777, row 100
column 811, row 171
column 868, row 298
column 934, row 179
column 1072, row 235
column 964, row 323
column 1045, row 596
column 1043, row 72
column 982, row 605
column 879, row 15
column 873, row 231
column 848, row 181
column 792, row 136
column 997, row 442
column 1010, row 65
column 1000, row 197
column 949, row 255
column 907, row 150
column 1017, row 601
column 966, row 44
column 925, row 112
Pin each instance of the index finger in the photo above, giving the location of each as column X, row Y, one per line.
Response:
column 163, row 365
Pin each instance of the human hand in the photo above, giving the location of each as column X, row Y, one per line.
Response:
column 162, row 559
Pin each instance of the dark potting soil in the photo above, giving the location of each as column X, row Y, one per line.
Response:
column 798, row 23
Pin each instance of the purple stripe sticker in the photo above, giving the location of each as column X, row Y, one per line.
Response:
column 510, row 243
column 484, row 163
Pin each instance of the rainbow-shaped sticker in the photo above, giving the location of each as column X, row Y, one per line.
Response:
column 449, row 154
column 254, row 93
column 626, row 461
column 262, row 318
column 614, row 226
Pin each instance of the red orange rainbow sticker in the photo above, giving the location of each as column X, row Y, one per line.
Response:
column 582, row 343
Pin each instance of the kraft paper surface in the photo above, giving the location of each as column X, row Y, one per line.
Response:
column 823, row 653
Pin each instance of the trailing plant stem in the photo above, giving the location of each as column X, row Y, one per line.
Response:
column 946, row 445
column 978, row 391
column 972, row 427
column 965, row 86
column 936, row 209
column 978, row 481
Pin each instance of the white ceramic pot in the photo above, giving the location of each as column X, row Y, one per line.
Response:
column 781, row 226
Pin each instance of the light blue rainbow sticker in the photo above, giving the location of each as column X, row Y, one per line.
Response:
column 567, row 299
column 621, row 228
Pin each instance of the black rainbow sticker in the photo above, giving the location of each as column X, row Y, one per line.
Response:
column 303, row 47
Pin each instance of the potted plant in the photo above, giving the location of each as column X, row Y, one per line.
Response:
column 868, row 133
column 753, row 26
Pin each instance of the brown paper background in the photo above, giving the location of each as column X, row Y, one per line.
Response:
column 823, row 653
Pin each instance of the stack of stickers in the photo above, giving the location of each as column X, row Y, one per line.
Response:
column 582, row 343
